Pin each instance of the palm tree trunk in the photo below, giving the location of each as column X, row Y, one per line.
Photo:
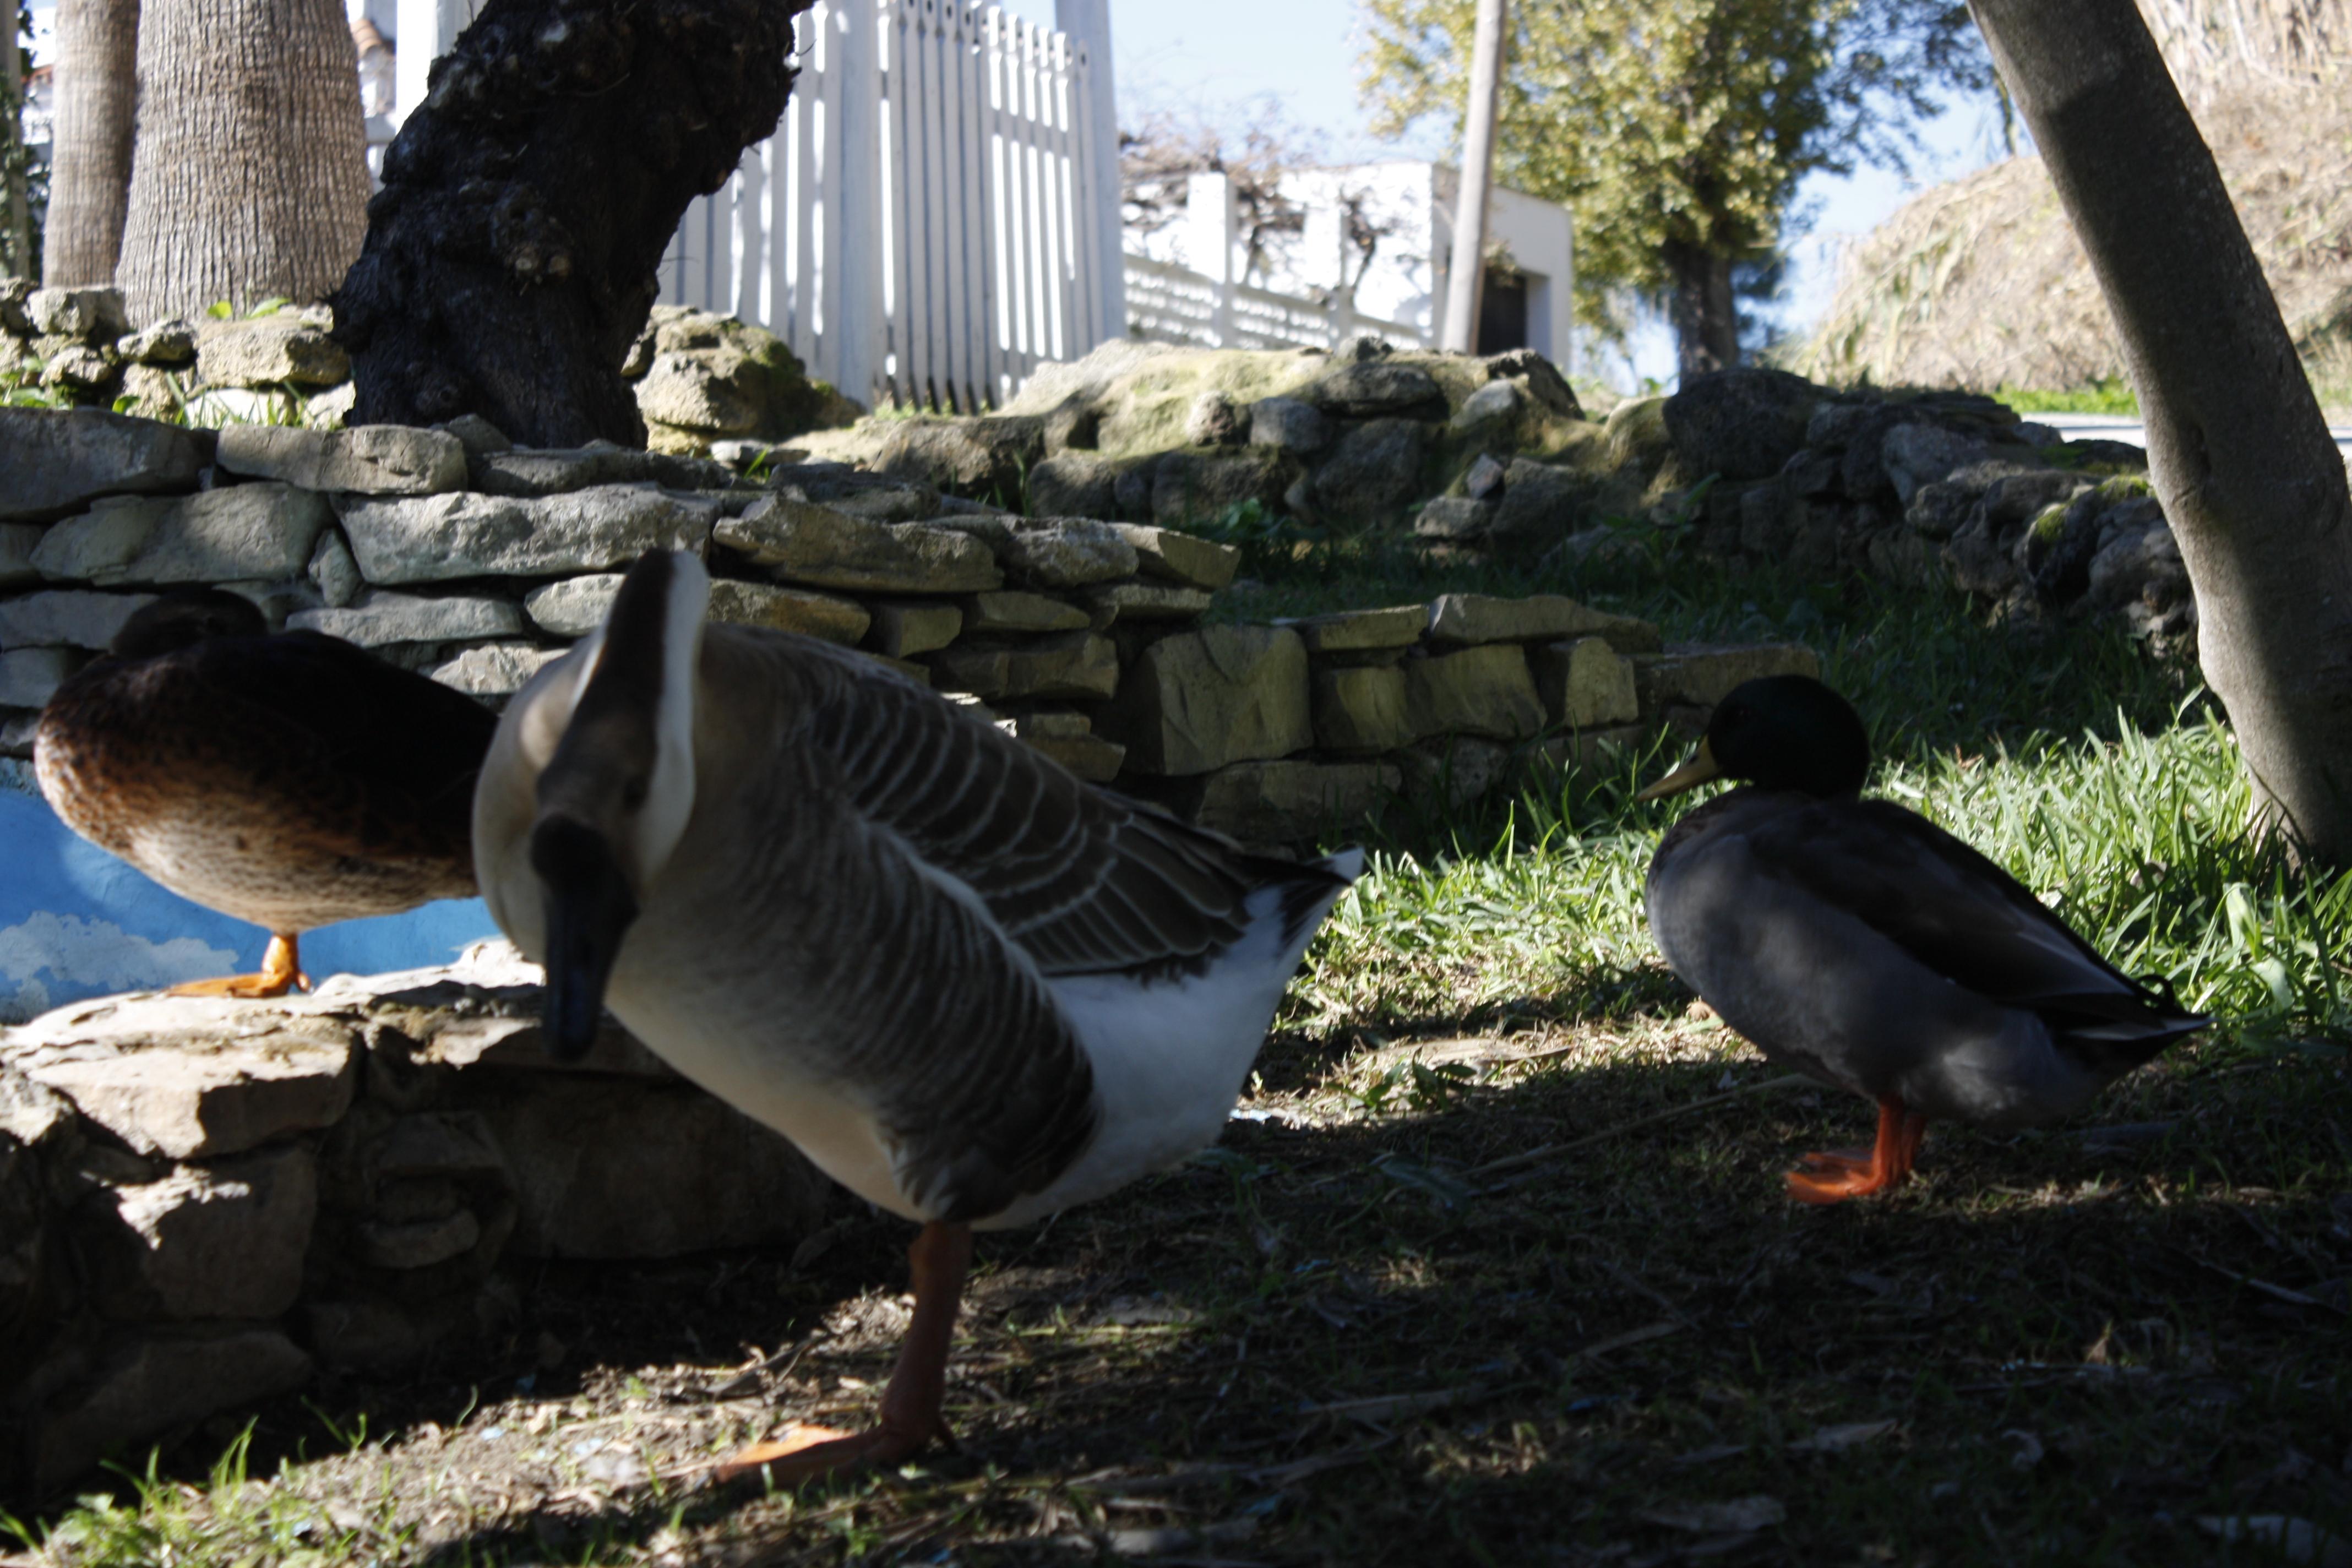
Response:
column 251, row 178
column 89, row 166
column 2242, row 458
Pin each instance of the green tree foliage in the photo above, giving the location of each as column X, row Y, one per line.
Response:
column 1676, row 130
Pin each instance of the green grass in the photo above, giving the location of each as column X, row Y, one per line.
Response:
column 1496, row 1161
column 2113, row 395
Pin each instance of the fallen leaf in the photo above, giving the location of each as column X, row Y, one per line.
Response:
column 1746, row 1513
column 2029, row 1449
column 1837, row 1439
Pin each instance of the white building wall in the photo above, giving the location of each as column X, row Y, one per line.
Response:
column 1404, row 282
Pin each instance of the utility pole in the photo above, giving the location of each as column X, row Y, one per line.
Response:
column 1466, row 268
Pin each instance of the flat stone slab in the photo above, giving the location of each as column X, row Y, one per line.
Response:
column 1052, row 552
column 1361, row 708
column 1484, row 690
column 1113, row 602
column 1013, row 610
column 58, row 462
column 1362, row 631
column 272, row 351
column 156, row 1380
column 555, row 470
column 1196, row 701
column 66, row 617
column 373, row 459
column 1702, row 675
column 191, row 1078
column 1586, row 683
column 816, row 545
column 1181, row 558
column 219, row 1240
column 29, row 677
column 1539, row 618
column 1067, row 665
column 379, row 618
column 17, row 542
column 431, row 539
column 495, row 669
column 252, row 534
column 908, row 628
column 1293, row 800
column 578, row 605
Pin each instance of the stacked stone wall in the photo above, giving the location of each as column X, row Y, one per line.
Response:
column 452, row 553
column 203, row 1202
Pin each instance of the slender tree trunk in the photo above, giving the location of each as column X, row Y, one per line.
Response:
column 16, row 258
column 511, row 256
column 2250, row 479
column 251, row 178
column 1699, row 303
column 90, row 157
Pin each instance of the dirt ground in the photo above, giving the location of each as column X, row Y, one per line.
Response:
column 1503, row 1291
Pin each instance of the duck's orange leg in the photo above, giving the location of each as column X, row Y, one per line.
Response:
column 910, row 1405
column 1833, row 1178
column 281, row 971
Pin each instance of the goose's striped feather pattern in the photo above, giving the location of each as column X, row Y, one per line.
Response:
column 1085, row 882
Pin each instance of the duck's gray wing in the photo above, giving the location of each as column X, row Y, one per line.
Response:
column 1964, row 916
column 1085, row 881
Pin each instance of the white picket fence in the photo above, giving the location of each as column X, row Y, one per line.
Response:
column 938, row 213
column 1172, row 304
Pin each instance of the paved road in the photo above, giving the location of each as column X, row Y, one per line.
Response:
column 2126, row 427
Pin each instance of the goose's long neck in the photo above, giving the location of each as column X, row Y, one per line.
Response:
column 614, row 798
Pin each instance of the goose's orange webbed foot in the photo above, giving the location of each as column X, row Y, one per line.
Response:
column 910, row 1405
column 281, row 972
column 1831, row 1178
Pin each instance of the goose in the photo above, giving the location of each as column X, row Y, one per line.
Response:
column 969, row 987
column 290, row 780
column 1856, row 942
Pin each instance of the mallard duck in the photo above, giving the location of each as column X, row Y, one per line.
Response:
column 289, row 780
column 1856, row 942
column 971, row 988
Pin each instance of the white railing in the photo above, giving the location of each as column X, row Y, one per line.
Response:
column 1172, row 304
column 932, row 219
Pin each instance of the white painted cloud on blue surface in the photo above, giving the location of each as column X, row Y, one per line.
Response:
column 54, row 956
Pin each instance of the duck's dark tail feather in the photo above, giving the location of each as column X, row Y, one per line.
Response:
column 2117, row 1031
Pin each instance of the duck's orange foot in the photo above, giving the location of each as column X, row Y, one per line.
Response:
column 281, row 971
column 1841, row 1180
column 1834, row 1177
column 806, row 1453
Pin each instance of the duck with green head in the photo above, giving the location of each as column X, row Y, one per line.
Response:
column 1857, row 942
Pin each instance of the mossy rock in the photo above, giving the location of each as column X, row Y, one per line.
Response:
column 707, row 376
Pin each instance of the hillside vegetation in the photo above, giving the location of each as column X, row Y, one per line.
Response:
column 1981, row 283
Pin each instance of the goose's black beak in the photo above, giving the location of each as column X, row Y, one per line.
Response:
column 589, row 908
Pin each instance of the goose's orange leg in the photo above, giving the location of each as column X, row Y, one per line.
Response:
column 281, row 971
column 1833, row 1178
column 910, row 1405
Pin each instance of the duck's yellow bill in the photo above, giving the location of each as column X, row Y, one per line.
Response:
column 1699, row 769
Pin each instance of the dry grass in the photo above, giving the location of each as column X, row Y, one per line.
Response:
column 1368, row 1329
column 1981, row 283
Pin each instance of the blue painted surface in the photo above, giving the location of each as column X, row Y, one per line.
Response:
column 74, row 921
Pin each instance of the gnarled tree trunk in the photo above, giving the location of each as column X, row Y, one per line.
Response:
column 251, row 178
column 511, row 255
column 2250, row 479
column 1700, row 305
column 90, row 157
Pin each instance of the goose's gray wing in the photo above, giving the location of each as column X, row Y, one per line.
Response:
column 1085, row 881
